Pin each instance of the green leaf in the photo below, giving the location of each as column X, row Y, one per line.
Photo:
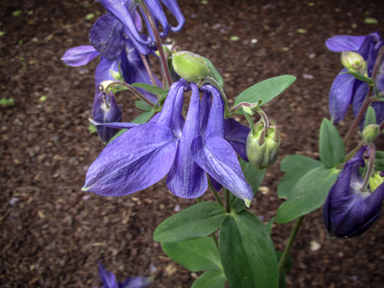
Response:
column 150, row 88
column 196, row 255
column 379, row 161
column 359, row 76
column 210, row 279
column 143, row 117
column 265, row 90
column 143, row 105
column 247, row 252
column 295, row 166
column 214, row 73
column 308, row 194
column 331, row 146
column 370, row 117
column 196, row 221
column 254, row 177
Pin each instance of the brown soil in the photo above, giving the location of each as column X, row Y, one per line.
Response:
column 54, row 234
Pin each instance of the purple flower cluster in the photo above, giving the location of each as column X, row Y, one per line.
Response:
column 187, row 150
column 346, row 89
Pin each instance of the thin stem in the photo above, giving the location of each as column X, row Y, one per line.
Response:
column 227, row 201
column 218, row 199
column 263, row 116
column 368, row 98
column 353, row 152
column 146, row 64
column 132, row 89
column 371, row 165
column 198, row 199
column 292, row 237
column 159, row 44
column 250, row 121
column 213, row 235
column 359, row 116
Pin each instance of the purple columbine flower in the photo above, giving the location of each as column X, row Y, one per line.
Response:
column 346, row 89
column 109, row 280
column 121, row 21
column 186, row 151
column 105, row 110
column 348, row 211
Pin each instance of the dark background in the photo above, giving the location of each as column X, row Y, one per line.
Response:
column 54, row 234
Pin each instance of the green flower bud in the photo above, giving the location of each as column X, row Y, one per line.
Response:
column 371, row 132
column 353, row 61
column 375, row 181
column 190, row 66
column 116, row 75
column 263, row 146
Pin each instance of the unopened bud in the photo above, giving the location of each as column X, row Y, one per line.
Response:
column 263, row 146
column 375, row 181
column 190, row 66
column 352, row 61
column 371, row 132
column 116, row 75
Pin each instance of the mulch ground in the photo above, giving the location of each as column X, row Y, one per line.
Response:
column 53, row 234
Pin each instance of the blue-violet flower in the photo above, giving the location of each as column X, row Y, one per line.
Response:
column 348, row 211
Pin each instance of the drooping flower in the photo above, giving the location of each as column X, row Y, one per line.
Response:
column 105, row 110
column 346, row 89
column 348, row 211
column 185, row 151
column 119, row 22
column 109, row 280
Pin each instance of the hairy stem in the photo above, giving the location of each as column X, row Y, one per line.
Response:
column 217, row 197
column 132, row 89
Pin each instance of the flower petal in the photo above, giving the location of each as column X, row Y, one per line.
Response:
column 237, row 134
column 79, row 56
column 217, row 157
column 116, row 125
column 175, row 9
column 215, row 126
column 340, row 95
column 157, row 13
column 186, row 179
column 108, row 278
column 342, row 43
column 136, row 160
column 119, row 10
column 106, row 35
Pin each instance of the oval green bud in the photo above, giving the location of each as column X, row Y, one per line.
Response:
column 375, row 181
column 263, row 146
column 190, row 66
column 353, row 61
column 371, row 132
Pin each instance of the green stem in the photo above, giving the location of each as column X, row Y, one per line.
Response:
column 130, row 88
column 218, row 199
column 353, row 152
column 263, row 116
column 227, row 201
column 371, row 166
column 213, row 235
column 159, row 44
column 292, row 237
column 198, row 199
column 250, row 121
